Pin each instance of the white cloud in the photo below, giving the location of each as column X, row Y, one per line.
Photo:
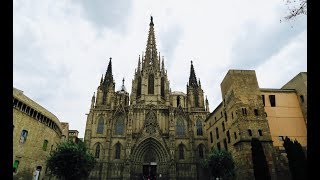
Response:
column 61, row 48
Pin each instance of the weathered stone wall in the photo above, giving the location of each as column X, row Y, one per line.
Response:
column 30, row 153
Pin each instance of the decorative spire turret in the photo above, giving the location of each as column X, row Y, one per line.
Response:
column 139, row 62
column 207, row 104
column 93, row 99
column 192, row 77
column 101, row 81
column 123, row 88
column 162, row 65
column 108, row 78
column 151, row 50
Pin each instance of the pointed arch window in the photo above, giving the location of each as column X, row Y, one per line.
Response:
column 181, row 151
column 100, row 126
column 180, row 127
column 199, row 128
column 119, row 126
column 200, row 151
column 118, row 149
column 151, row 84
column 139, row 87
column 97, row 154
column 162, row 86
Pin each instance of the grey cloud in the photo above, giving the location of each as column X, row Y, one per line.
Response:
column 112, row 13
column 257, row 44
column 170, row 42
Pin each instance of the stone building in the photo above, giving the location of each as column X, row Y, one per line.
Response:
column 269, row 115
column 152, row 131
column 35, row 133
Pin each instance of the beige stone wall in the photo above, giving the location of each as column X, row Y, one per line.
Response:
column 299, row 83
column 286, row 118
column 31, row 154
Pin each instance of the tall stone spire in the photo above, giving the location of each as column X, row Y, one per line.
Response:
column 192, row 77
column 151, row 50
column 108, row 78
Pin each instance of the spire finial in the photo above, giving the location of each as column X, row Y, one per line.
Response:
column 123, row 81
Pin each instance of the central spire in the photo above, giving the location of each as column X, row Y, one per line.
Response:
column 151, row 50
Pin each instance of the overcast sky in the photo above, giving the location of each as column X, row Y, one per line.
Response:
column 62, row 48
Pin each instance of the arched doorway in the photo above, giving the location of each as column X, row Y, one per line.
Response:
column 150, row 159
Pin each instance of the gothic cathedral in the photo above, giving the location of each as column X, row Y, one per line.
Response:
column 151, row 132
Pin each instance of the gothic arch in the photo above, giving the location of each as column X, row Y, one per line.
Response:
column 98, row 146
column 150, row 145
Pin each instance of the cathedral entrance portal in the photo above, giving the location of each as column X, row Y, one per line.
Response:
column 150, row 159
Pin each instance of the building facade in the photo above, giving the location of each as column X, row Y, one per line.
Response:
column 153, row 132
column 35, row 133
column 268, row 115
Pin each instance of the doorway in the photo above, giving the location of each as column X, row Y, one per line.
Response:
column 149, row 171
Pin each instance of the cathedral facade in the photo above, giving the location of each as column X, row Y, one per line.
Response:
column 152, row 132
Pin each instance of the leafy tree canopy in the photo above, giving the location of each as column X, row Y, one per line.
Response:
column 71, row 160
column 220, row 164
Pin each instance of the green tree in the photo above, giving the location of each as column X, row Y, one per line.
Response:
column 220, row 164
column 296, row 159
column 71, row 161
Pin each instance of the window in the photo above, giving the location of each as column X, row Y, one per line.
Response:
column 98, row 151
column 181, row 151
column 235, row 135
column 200, row 150
column 180, row 127
column 23, row 136
column 196, row 98
column 226, row 117
column 118, row 149
column 244, row 111
column 100, row 126
column 221, row 113
column 256, row 112
column 218, row 146
column 199, row 128
column 119, row 129
column 228, row 136
column 272, row 99
column 162, row 86
column 217, row 133
column 260, row 132
column 250, row 132
column 263, row 101
column 139, row 87
column 15, row 166
column 232, row 115
column 45, row 144
column 151, row 84
column 178, row 101
column 223, row 127
column 211, row 138
column 301, row 98
column 225, row 144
